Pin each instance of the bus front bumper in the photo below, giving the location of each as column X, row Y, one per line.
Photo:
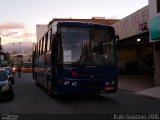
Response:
column 86, row 86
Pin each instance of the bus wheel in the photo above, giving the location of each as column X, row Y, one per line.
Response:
column 37, row 84
column 50, row 89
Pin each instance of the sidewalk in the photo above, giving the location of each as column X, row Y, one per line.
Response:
column 139, row 84
column 152, row 92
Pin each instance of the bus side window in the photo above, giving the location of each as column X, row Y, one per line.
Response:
column 35, row 51
column 48, row 41
column 42, row 45
column 39, row 48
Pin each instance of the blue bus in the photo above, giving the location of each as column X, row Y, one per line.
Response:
column 76, row 58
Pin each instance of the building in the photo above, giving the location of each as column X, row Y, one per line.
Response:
column 139, row 39
column 154, row 19
column 135, row 51
column 20, row 58
column 41, row 30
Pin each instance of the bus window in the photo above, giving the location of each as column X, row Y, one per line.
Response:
column 36, row 50
column 73, row 40
column 39, row 48
column 48, row 41
column 27, row 67
column 42, row 46
column 102, row 49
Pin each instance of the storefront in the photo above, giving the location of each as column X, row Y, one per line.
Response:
column 135, row 51
column 135, row 55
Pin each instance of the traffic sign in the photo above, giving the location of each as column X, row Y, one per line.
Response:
column 155, row 29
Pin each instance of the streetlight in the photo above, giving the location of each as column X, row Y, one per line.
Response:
column 1, row 45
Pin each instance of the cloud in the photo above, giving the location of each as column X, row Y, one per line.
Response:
column 12, row 25
column 26, row 35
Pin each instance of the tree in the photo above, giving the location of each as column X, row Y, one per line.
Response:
column 1, row 49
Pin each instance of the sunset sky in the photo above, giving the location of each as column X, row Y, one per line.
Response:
column 21, row 16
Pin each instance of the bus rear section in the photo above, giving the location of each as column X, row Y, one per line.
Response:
column 87, row 79
column 27, row 67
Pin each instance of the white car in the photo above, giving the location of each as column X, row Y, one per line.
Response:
column 6, row 91
column 9, row 73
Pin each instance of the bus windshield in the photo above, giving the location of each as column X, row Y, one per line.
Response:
column 87, row 47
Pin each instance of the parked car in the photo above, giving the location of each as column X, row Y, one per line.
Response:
column 8, row 71
column 6, row 91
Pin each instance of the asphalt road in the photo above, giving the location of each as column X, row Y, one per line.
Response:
column 31, row 100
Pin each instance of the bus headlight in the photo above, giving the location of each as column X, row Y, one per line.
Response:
column 107, row 83
column 113, row 82
column 14, row 69
column 74, row 83
column 5, row 88
column 66, row 82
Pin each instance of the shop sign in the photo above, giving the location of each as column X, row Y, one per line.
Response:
column 133, row 24
column 155, row 29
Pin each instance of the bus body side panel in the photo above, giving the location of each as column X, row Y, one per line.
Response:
column 47, row 68
column 43, row 69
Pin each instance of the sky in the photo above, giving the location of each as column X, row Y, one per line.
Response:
column 21, row 16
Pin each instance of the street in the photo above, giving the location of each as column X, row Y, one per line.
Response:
column 32, row 100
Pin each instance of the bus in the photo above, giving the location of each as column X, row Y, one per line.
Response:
column 76, row 58
column 27, row 67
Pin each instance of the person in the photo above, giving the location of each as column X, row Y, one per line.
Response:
column 19, row 70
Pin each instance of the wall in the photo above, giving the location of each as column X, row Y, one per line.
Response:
column 157, row 67
column 152, row 14
column 40, row 31
column 153, row 9
column 133, row 24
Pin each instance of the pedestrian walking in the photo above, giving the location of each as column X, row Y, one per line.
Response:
column 19, row 70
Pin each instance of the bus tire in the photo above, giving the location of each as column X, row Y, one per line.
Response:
column 50, row 90
column 37, row 84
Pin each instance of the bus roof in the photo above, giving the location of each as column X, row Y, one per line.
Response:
column 81, row 24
